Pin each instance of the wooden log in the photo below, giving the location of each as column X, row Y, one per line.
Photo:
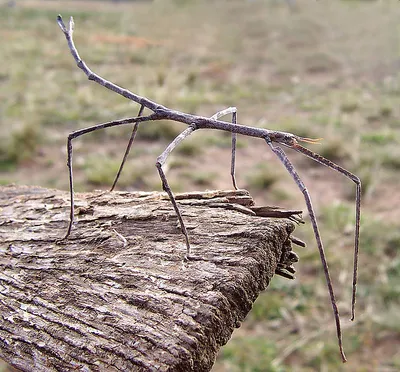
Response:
column 117, row 295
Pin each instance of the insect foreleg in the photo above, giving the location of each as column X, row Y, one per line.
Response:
column 292, row 171
column 320, row 159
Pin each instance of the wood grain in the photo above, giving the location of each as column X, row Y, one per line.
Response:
column 117, row 295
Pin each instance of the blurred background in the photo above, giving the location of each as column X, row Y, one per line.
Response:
column 326, row 69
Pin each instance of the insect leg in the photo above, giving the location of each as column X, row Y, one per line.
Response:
column 79, row 133
column 292, row 171
column 233, row 111
column 160, row 162
column 320, row 159
column 128, row 148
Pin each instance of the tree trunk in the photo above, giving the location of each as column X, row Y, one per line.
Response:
column 117, row 295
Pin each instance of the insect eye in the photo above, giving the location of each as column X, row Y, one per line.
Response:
column 288, row 139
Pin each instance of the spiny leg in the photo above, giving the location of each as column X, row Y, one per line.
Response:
column 79, row 133
column 128, row 149
column 320, row 159
column 292, row 171
column 219, row 114
column 160, row 162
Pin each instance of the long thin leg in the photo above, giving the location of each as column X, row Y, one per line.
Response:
column 128, row 149
column 292, row 171
column 233, row 111
column 79, row 133
column 160, row 162
column 233, row 156
column 320, row 159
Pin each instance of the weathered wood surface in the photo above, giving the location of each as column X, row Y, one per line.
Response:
column 117, row 295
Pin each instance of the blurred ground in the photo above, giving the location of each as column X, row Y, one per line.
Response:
column 320, row 69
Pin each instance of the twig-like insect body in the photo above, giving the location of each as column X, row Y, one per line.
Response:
column 274, row 139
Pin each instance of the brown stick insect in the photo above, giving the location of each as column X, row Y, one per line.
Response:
column 275, row 140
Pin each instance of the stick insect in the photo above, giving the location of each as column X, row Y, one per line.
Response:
column 275, row 140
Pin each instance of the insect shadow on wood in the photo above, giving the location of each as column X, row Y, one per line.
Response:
column 275, row 140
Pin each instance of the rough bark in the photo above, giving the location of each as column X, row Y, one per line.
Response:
column 117, row 295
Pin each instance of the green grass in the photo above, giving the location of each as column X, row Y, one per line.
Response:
column 261, row 177
column 159, row 131
column 255, row 353
column 18, row 146
column 314, row 71
column 201, row 179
